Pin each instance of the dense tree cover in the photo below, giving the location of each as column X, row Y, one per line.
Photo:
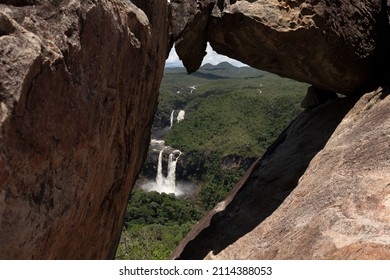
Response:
column 217, row 186
column 232, row 111
column 151, row 242
column 154, row 225
column 148, row 208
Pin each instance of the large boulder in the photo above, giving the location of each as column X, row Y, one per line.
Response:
column 78, row 90
column 321, row 191
column 335, row 45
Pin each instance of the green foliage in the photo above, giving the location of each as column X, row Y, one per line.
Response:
column 226, row 114
column 147, row 208
column 233, row 111
column 150, row 242
column 154, row 225
column 218, row 186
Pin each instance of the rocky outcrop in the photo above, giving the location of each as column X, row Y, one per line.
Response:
column 321, row 191
column 78, row 90
column 339, row 45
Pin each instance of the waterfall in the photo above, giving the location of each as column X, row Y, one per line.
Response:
column 161, row 183
column 167, row 184
column 171, row 178
column 159, row 177
column 172, row 117
column 181, row 115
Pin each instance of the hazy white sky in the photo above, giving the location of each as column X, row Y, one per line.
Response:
column 211, row 57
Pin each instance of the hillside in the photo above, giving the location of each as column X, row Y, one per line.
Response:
column 79, row 89
column 220, row 103
column 219, row 137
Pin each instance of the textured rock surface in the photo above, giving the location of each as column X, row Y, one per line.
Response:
column 334, row 45
column 326, row 182
column 189, row 30
column 78, row 89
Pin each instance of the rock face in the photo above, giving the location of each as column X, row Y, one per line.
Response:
column 78, row 90
column 321, row 191
column 334, row 45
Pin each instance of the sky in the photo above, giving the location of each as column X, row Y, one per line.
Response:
column 211, row 57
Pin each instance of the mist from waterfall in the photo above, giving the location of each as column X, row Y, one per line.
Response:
column 165, row 184
column 172, row 115
column 179, row 117
column 159, row 176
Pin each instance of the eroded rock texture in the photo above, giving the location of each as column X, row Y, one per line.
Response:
column 334, row 45
column 322, row 191
column 78, row 90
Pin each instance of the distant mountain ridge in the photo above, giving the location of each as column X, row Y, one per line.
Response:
column 220, row 71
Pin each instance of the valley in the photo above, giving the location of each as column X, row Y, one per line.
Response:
column 209, row 128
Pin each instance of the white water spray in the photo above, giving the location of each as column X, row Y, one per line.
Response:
column 179, row 118
column 171, row 178
column 159, row 176
column 162, row 183
column 172, row 117
column 167, row 184
column 181, row 115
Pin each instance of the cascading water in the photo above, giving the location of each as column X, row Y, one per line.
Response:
column 179, row 118
column 159, row 176
column 167, row 184
column 181, row 115
column 172, row 117
column 161, row 183
column 171, row 178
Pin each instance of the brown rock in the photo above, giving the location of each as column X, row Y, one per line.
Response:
column 333, row 45
column 189, row 29
column 78, row 91
column 310, row 197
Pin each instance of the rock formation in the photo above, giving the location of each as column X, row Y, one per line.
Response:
column 333, row 45
column 78, row 90
column 321, row 191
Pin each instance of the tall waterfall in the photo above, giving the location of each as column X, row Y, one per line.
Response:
column 171, row 178
column 164, row 180
column 162, row 183
column 181, row 115
column 172, row 117
column 179, row 118
column 159, row 176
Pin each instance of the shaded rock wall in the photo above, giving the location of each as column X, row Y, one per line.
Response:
column 78, row 90
column 321, row 191
column 334, row 45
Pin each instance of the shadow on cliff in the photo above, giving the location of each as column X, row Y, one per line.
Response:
column 267, row 184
